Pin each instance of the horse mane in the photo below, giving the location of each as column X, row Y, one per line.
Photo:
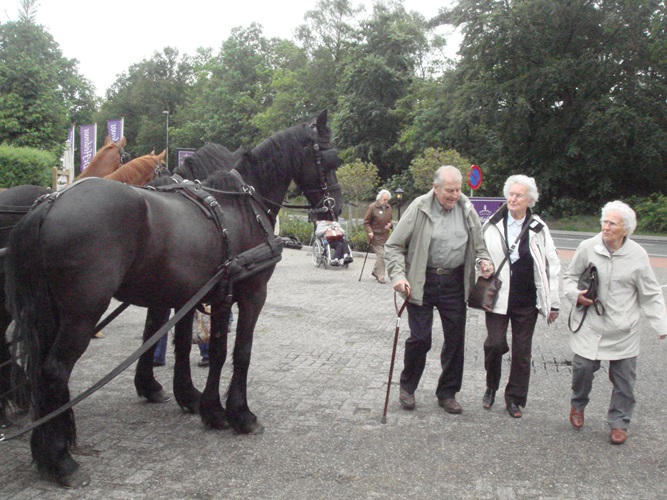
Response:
column 224, row 181
column 207, row 160
column 285, row 149
column 137, row 172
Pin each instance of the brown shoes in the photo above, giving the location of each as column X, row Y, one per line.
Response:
column 618, row 436
column 576, row 418
column 407, row 400
column 450, row 405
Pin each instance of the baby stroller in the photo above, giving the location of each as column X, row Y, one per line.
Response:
column 330, row 246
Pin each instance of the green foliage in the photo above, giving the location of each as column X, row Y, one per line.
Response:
column 356, row 236
column 357, row 180
column 651, row 213
column 32, row 110
column 423, row 167
column 20, row 166
column 295, row 225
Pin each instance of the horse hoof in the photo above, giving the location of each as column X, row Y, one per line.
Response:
column 256, row 428
column 215, row 422
column 194, row 409
column 157, row 397
column 77, row 479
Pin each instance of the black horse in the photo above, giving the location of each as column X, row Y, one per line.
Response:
column 155, row 250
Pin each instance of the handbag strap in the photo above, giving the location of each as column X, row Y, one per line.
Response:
column 509, row 251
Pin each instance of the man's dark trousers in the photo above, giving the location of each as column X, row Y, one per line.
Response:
column 445, row 293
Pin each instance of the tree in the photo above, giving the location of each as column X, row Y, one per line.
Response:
column 570, row 92
column 357, row 179
column 41, row 92
column 326, row 37
column 377, row 76
column 423, row 167
column 143, row 94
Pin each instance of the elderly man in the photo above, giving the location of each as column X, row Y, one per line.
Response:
column 433, row 251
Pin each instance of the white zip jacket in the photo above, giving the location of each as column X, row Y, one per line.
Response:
column 546, row 262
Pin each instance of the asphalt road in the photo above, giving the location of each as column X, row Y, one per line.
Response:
column 655, row 246
column 318, row 381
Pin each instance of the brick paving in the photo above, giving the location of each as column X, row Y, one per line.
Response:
column 317, row 382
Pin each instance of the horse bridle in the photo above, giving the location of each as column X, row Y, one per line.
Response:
column 326, row 203
column 124, row 157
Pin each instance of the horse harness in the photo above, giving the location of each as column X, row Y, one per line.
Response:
column 251, row 261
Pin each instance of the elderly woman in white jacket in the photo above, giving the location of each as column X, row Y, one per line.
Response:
column 627, row 289
column 530, row 288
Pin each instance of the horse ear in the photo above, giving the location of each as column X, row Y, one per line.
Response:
column 322, row 121
column 122, row 142
column 162, row 155
column 107, row 140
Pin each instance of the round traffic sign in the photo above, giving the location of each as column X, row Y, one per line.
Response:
column 475, row 177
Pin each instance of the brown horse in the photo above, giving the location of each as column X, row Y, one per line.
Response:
column 107, row 159
column 140, row 171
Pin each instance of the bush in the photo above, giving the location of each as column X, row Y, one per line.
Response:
column 651, row 213
column 20, row 166
column 294, row 225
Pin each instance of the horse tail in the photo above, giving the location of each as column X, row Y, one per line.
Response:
column 31, row 303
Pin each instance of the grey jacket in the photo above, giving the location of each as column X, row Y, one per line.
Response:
column 406, row 251
column 628, row 289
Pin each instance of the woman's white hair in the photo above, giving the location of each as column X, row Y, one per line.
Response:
column 627, row 214
column 524, row 180
column 382, row 193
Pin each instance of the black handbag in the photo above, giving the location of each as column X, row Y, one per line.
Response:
column 589, row 281
column 484, row 293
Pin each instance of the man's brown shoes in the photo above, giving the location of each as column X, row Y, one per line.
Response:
column 618, row 436
column 450, row 405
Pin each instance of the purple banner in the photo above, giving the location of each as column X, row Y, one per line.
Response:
column 88, row 134
column 115, row 129
column 486, row 207
column 182, row 154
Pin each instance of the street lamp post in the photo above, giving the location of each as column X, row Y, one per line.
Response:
column 399, row 198
column 167, row 148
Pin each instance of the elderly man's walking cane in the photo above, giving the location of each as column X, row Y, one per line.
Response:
column 393, row 352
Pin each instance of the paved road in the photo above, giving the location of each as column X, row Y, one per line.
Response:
column 318, row 382
column 655, row 246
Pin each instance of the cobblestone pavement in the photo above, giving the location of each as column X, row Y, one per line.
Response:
column 318, row 383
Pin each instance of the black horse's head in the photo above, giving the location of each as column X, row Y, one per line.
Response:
column 318, row 180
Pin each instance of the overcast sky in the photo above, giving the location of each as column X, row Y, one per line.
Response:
column 107, row 37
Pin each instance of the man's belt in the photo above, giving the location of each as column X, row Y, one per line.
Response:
column 440, row 271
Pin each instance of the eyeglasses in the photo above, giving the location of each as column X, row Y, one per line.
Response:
column 610, row 223
column 518, row 196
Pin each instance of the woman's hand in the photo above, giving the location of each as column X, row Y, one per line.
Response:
column 584, row 301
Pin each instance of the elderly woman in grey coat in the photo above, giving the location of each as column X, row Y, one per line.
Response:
column 627, row 289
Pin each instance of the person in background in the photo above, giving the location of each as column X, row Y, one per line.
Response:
column 340, row 248
column 530, row 287
column 628, row 288
column 203, row 346
column 433, row 251
column 377, row 223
